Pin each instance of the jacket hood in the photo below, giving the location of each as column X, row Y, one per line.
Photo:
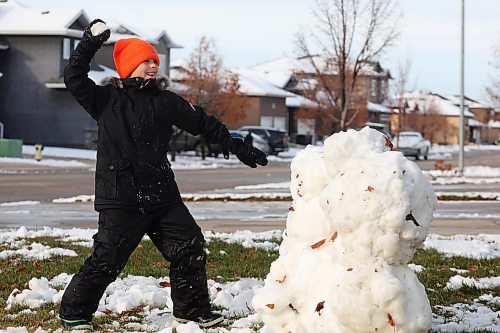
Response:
column 162, row 82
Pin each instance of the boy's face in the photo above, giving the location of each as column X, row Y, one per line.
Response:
column 147, row 70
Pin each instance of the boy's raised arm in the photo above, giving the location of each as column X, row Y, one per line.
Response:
column 89, row 95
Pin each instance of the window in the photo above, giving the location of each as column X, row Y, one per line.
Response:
column 373, row 89
column 273, row 122
column 66, row 48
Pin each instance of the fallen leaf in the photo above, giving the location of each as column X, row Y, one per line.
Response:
column 388, row 143
column 390, row 320
column 297, row 176
column 164, row 284
column 334, row 236
column 219, row 289
column 20, row 269
column 270, row 306
column 40, row 324
column 369, row 189
column 318, row 244
column 14, row 286
column 473, row 268
column 349, row 269
column 30, row 248
column 291, row 209
column 320, row 307
column 37, row 265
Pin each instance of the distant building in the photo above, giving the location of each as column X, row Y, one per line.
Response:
column 35, row 46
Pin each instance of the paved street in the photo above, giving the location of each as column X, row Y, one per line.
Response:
column 27, row 182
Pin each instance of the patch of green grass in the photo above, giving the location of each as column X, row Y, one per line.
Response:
column 233, row 263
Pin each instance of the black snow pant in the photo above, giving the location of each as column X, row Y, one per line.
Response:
column 173, row 231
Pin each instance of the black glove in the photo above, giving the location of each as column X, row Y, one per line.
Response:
column 95, row 42
column 247, row 154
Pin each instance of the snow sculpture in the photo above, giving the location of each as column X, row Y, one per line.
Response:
column 359, row 213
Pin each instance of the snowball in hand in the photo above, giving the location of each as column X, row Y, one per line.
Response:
column 359, row 213
column 98, row 28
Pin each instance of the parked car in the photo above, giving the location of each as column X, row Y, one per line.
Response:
column 187, row 142
column 276, row 139
column 257, row 141
column 412, row 144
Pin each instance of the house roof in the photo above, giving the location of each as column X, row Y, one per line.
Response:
column 38, row 21
column 377, row 108
column 96, row 76
column 471, row 103
column 431, row 102
column 153, row 36
column 253, row 85
column 280, row 71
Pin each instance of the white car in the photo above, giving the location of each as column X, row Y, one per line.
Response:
column 412, row 144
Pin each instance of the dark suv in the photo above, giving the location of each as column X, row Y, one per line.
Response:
column 277, row 140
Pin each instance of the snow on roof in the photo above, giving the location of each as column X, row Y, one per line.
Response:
column 120, row 30
column 374, row 107
column 298, row 101
column 16, row 19
column 494, row 123
column 431, row 102
column 253, row 85
column 468, row 101
column 280, row 71
column 96, row 76
column 475, row 123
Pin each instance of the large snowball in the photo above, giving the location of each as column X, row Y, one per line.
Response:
column 359, row 213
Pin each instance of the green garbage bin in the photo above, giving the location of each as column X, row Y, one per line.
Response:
column 11, row 148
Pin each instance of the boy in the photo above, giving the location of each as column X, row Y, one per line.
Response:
column 135, row 189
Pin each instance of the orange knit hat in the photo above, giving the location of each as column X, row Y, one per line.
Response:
column 130, row 52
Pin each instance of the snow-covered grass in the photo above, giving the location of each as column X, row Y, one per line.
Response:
column 462, row 285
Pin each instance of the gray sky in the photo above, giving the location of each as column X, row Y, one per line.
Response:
column 250, row 32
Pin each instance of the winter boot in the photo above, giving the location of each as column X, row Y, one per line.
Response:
column 79, row 324
column 206, row 320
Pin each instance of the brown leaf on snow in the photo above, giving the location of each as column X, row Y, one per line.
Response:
column 349, row 269
column 320, row 307
column 291, row 307
column 297, row 176
column 318, row 244
column 219, row 289
column 270, row 306
column 388, row 143
column 390, row 320
column 40, row 324
column 164, row 284
column 281, row 280
column 369, row 188
column 334, row 236
column 291, row 209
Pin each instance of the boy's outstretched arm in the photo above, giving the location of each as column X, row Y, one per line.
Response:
column 194, row 120
column 85, row 91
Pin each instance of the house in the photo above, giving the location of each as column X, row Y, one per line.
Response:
column 435, row 116
column 35, row 46
column 298, row 75
column 484, row 127
column 267, row 103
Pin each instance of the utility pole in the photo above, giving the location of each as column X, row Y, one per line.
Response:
column 462, row 127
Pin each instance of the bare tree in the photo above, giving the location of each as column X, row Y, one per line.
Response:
column 400, row 87
column 348, row 35
column 493, row 90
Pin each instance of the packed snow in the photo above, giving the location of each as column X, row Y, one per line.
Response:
column 234, row 298
column 359, row 213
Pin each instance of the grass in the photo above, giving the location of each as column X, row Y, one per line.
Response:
column 226, row 262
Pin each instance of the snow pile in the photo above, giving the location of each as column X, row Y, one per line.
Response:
column 359, row 213
column 470, row 246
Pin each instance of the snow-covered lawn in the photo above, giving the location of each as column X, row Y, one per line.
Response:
column 143, row 303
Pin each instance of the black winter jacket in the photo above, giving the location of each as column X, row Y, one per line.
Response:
column 134, row 122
